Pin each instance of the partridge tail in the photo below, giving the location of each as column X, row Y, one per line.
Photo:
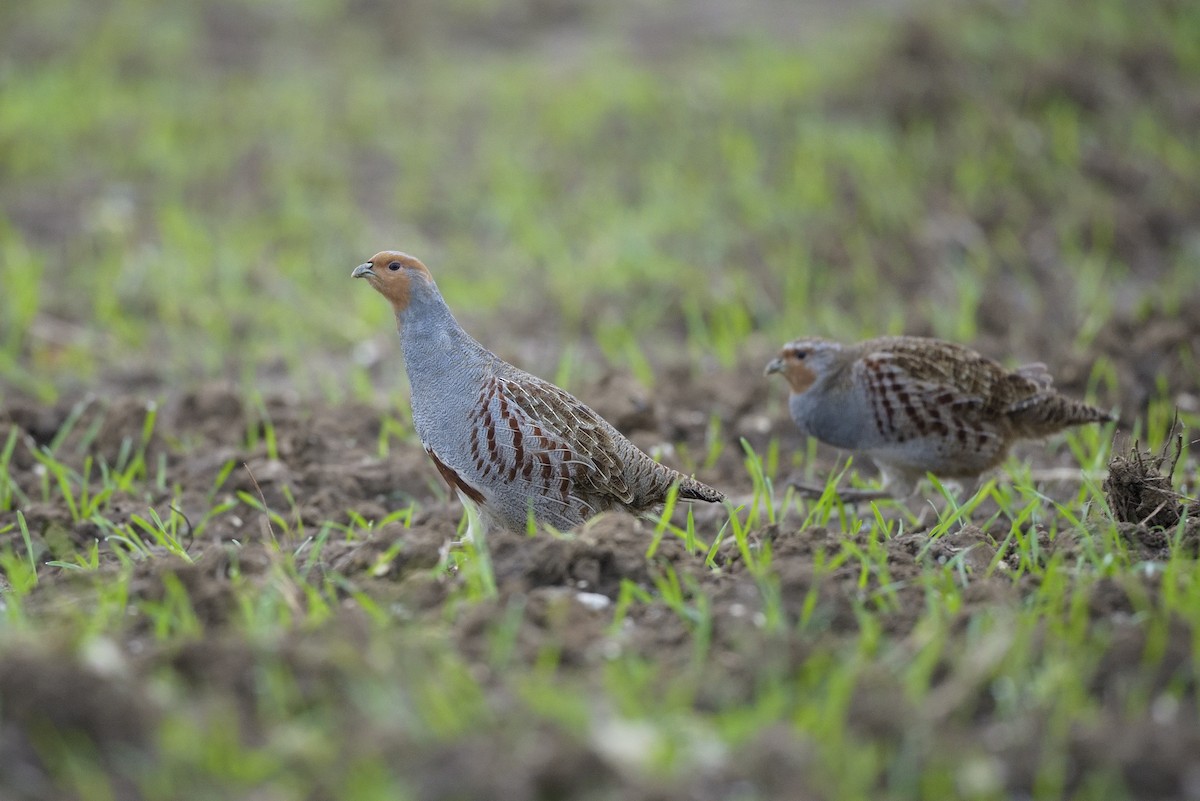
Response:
column 1052, row 413
column 648, row 483
column 694, row 490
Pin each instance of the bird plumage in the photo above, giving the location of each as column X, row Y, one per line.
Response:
column 918, row 405
column 503, row 439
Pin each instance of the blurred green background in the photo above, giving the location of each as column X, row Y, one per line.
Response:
column 185, row 186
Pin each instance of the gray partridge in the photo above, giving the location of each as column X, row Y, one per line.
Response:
column 917, row 405
column 512, row 446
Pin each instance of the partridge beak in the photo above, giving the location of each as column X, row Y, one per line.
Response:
column 774, row 366
column 363, row 270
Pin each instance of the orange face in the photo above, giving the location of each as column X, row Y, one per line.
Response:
column 792, row 362
column 391, row 273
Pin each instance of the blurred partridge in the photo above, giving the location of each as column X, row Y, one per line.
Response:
column 509, row 444
column 918, row 406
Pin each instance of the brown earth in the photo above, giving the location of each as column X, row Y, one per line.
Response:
column 328, row 466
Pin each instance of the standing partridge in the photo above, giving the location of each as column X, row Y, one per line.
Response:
column 513, row 447
column 918, row 406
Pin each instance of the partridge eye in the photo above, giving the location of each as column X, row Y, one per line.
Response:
column 394, row 266
column 800, row 354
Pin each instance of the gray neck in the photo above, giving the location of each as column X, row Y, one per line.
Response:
column 428, row 331
column 831, row 411
column 445, row 369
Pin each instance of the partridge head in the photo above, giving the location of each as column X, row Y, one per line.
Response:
column 512, row 446
column 918, row 405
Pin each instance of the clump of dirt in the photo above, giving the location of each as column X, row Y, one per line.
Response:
column 1146, row 506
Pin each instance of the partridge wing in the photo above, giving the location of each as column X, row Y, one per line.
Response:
column 912, row 397
column 955, row 375
column 556, row 439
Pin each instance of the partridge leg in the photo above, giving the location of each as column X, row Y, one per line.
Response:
column 846, row 494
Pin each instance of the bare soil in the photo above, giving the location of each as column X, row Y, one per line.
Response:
column 330, row 461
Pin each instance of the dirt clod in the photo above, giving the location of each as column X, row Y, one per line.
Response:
column 1143, row 501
